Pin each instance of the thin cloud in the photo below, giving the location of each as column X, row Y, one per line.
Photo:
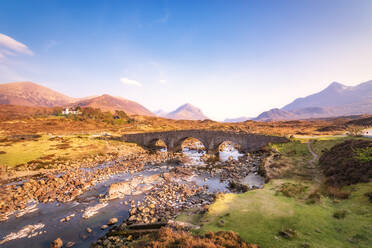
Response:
column 162, row 81
column 164, row 19
column 128, row 81
column 50, row 44
column 9, row 46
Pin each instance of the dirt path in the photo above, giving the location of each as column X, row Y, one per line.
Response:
column 318, row 175
column 315, row 156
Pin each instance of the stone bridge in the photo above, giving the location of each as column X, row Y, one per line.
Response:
column 211, row 139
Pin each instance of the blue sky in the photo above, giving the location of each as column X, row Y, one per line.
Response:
column 230, row 58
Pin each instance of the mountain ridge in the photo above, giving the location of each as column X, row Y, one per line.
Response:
column 335, row 100
column 34, row 95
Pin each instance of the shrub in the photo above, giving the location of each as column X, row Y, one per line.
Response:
column 292, row 189
column 118, row 118
column 355, row 130
column 170, row 238
column 313, row 197
column 369, row 195
column 364, row 154
column 238, row 187
column 337, row 193
column 340, row 214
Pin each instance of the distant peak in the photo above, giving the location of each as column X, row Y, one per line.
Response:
column 188, row 105
column 336, row 85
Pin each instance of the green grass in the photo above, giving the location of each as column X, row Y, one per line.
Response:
column 295, row 149
column 364, row 155
column 190, row 216
column 259, row 215
column 320, row 145
column 25, row 151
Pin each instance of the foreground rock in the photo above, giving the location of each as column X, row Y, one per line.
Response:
column 112, row 221
column 135, row 186
column 58, row 243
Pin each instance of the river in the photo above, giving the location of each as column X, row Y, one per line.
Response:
column 43, row 222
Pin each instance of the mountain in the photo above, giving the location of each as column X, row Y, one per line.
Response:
column 187, row 112
column 305, row 113
column 111, row 103
column 238, row 119
column 31, row 94
column 160, row 113
column 335, row 95
column 335, row 100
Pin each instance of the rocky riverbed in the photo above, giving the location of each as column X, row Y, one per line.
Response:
column 149, row 188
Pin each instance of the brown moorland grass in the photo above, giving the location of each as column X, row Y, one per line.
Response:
column 168, row 237
column 64, row 125
column 347, row 163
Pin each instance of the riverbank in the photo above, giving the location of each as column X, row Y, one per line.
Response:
column 296, row 208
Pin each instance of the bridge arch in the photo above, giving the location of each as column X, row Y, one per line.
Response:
column 193, row 144
column 227, row 149
column 157, row 143
column 228, row 144
column 178, row 145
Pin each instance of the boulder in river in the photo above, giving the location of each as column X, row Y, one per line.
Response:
column 70, row 244
column 135, row 186
column 58, row 243
column 117, row 190
column 112, row 221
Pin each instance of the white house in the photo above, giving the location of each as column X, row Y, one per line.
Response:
column 71, row 111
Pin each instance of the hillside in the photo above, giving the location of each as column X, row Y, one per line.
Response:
column 110, row 103
column 31, row 94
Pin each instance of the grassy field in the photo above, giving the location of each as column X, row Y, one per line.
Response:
column 271, row 219
column 258, row 216
column 52, row 147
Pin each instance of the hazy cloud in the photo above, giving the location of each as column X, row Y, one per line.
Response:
column 164, row 18
column 11, row 47
column 130, row 82
column 50, row 44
